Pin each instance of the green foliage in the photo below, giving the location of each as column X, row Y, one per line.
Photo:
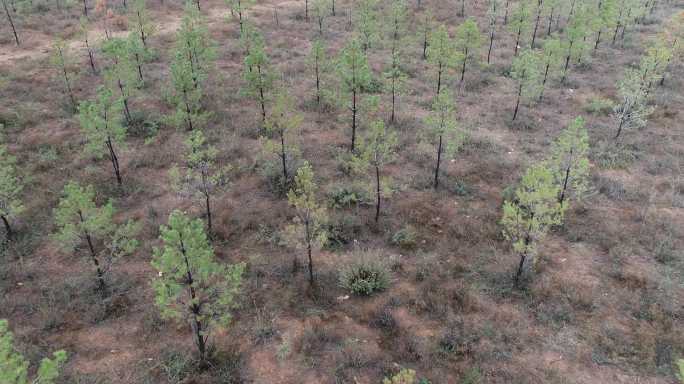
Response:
column 257, row 73
column 569, row 160
column 190, row 282
column 122, row 75
column 79, row 220
column 532, row 212
column 141, row 19
column 11, row 187
column 441, row 125
column 367, row 22
column 551, row 57
column 467, row 44
column 680, row 369
column 365, row 275
column 526, row 70
column 599, row 105
column 521, row 21
column 405, row 238
column 632, row 111
column 100, row 123
column 578, row 29
column 192, row 61
column 14, row 367
column 319, row 63
column 652, row 65
column 353, row 69
column 321, row 10
column 239, row 7
column 405, row 376
column 440, row 53
column 202, row 177
column 280, row 144
column 308, row 230
column 61, row 60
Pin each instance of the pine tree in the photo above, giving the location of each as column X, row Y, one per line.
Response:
column 529, row 215
column 426, row 29
column 569, row 160
column 632, row 112
column 318, row 62
column 61, row 61
column 367, row 24
column 122, row 74
column 79, row 220
column 321, row 9
column 527, row 72
column 140, row 19
column 201, row 177
column 654, row 63
column 282, row 133
column 355, row 76
column 83, row 24
column 192, row 60
column 440, row 53
column 492, row 17
column 607, row 18
column 468, row 42
column 257, row 74
column 13, row 365
column 520, row 21
column 239, row 8
column 394, row 75
column 102, row 128
column 674, row 36
column 11, row 188
column 576, row 33
column 442, row 130
column 550, row 7
column 551, row 56
column 308, row 229
column 539, row 9
column 191, row 283
column 10, row 21
column 378, row 148
column 138, row 55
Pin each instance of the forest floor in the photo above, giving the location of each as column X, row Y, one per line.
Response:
column 606, row 304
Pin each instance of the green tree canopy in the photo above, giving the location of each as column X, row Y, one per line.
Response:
column 191, row 284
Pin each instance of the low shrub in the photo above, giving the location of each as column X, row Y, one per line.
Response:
column 405, row 238
column 365, row 275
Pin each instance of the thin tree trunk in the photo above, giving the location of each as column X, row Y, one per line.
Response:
column 188, row 118
column 517, row 41
column 353, row 138
column 561, row 198
column 306, row 10
column 85, row 8
column 546, row 75
column 93, row 256
column 536, row 23
column 506, row 13
column 548, row 27
column 90, row 56
column 308, row 250
column 425, row 43
column 195, row 308
column 517, row 103
column 491, row 44
column 318, row 84
column 619, row 131
column 439, row 160
column 333, row 7
column 208, row 206
column 377, row 193
column 439, row 78
column 66, row 80
column 393, row 99
column 11, row 22
column 115, row 161
column 520, row 269
column 261, row 96
column 8, row 228
column 463, row 68
column 139, row 65
column 567, row 63
column 598, row 39
column 283, row 157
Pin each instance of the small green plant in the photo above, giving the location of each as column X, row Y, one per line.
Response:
column 405, row 376
column 598, row 105
column 14, row 367
column 365, row 275
column 405, row 238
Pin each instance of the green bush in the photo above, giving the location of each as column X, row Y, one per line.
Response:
column 365, row 276
column 405, row 238
column 599, row 106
